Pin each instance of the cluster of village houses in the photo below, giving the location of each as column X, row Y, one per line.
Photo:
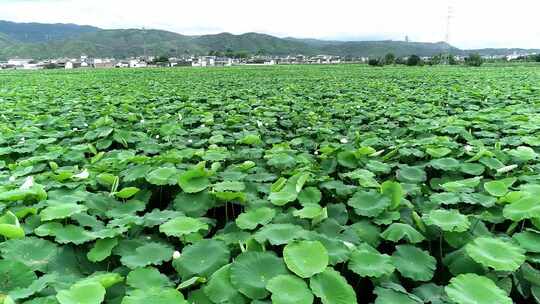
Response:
column 150, row 61
column 195, row 61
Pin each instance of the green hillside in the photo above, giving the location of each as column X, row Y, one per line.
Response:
column 68, row 40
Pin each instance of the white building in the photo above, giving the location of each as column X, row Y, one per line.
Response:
column 204, row 61
column 18, row 62
column 135, row 63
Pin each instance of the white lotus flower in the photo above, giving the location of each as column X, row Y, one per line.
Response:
column 468, row 148
column 142, row 121
column 344, row 140
column 12, row 178
column 28, row 183
column 157, row 136
column 75, row 129
column 349, row 245
column 259, row 124
column 85, row 124
column 203, row 125
column 176, row 255
column 190, row 141
column 506, row 169
column 316, row 152
column 377, row 153
column 83, row 175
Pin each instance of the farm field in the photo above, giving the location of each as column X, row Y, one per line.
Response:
column 285, row 185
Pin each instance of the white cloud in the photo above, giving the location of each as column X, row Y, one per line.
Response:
column 474, row 24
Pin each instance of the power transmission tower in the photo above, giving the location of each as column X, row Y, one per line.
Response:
column 449, row 17
column 144, row 42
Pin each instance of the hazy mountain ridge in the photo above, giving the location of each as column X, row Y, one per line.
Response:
column 37, row 40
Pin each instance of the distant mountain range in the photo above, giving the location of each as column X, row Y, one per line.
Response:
column 40, row 41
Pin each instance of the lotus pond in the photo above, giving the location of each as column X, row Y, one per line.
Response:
column 285, row 185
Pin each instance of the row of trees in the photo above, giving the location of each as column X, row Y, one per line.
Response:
column 415, row 60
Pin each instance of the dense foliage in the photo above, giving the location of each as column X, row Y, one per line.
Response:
column 474, row 60
column 333, row 185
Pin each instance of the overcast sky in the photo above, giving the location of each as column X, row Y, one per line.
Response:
column 475, row 23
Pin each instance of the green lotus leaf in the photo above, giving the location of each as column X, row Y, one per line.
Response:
column 251, row 271
column 496, row 253
column 445, row 198
column 154, row 296
column 369, row 203
column 527, row 207
column 338, row 251
column 250, row 139
column 106, row 279
column 150, row 253
column 37, row 286
column 202, row 258
column 438, row 152
column 219, row 288
column 472, row 168
column 72, row 234
column 464, row 185
column 347, row 159
column 182, row 226
column 399, row 231
column 288, row 289
column 101, row 249
column 163, row 176
column 394, row 191
column 194, row 180
column 364, row 178
column 10, row 227
column 230, row 186
column 412, row 175
column 84, row 293
column 367, row 232
column 332, row 288
column 423, row 267
column 250, row 219
column 35, row 253
column 65, row 234
column 496, row 188
column 289, row 191
column 447, row 220
column 278, row 234
column 198, row 296
column 445, row 164
column 472, row 288
column 305, row 258
column 147, row 278
column 309, row 195
column 309, row 211
column 368, row 262
column 528, row 240
column 430, row 293
column 127, row 192
column 60, row 211
column 390, row 296
column 523, row 154
column 194, row 204
column 378, row 167
column 459, row 262
column 14, row 275
column 35, row 192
